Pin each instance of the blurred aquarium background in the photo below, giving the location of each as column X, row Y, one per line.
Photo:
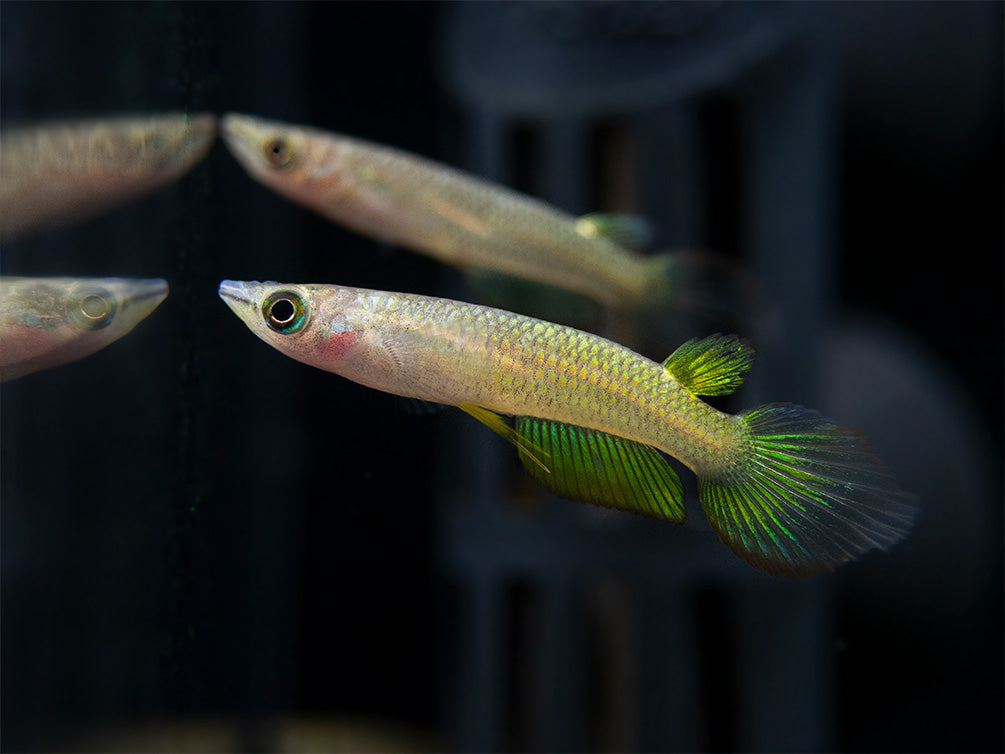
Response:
column 208, row 546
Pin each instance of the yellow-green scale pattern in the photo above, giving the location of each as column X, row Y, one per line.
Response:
column 784, row 487
column 465, row 354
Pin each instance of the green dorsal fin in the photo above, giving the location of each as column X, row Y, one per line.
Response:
column 715, row 365
column 493, row 421
column 595, row 467
column 631, row 231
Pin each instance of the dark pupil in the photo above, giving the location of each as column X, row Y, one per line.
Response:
column 93, row 307
column 277, row 152
column 283, row 311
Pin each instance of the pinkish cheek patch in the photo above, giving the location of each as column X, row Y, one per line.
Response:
column 337, row 344
column 26, row 341
column 328, row 183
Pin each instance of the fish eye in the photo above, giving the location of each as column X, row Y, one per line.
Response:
column 285, row 312
column 93, row 308
column 278, row 152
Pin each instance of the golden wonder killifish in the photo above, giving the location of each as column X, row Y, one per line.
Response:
column 785, row 488
column 45, row 322
column 61, row 172
column 460, row 219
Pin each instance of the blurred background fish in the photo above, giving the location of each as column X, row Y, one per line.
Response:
column 486, row 229
column 58, row 173
column 45, row 322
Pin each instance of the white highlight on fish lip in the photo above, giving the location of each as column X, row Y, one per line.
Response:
column 233, row 293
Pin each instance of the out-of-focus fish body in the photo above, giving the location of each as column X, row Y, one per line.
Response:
column 45, row 322
column 453, row 216
column 786, row 489
column 62, row 172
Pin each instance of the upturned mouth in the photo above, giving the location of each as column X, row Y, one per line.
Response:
column 233, row 293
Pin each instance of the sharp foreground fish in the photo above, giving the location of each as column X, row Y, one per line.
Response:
column 63, row 172
column 469, row 222
column 786, row 489
column 45, row 322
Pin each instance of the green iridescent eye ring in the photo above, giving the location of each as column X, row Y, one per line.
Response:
column 92, row 308
column 285, row 312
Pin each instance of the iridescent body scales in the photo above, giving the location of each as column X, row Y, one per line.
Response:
column 457, row 353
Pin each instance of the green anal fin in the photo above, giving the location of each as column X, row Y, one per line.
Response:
column 630, row 231
column 596, row 467
column 715, row 365
column 533, row 454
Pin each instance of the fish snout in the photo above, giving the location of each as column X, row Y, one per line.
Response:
column 235, row 294
column 153, row 288
column 141, row 297
column 242, row 137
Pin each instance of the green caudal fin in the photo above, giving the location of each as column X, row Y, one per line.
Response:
column 595, row 467
column 806, row 497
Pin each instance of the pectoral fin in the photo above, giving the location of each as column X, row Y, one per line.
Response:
column 595, row 467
